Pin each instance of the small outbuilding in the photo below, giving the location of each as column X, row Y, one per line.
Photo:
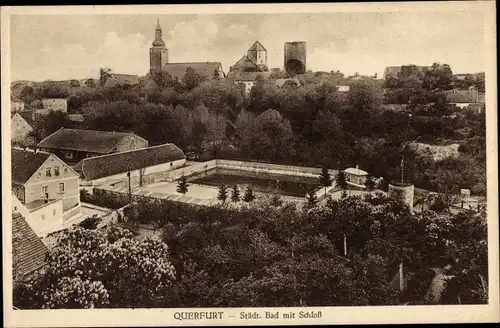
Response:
column 355, row 176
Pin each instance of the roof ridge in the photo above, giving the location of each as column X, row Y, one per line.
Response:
column 127, row 151
column 185, row 63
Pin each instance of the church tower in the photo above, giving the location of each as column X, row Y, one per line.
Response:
column 158, row 53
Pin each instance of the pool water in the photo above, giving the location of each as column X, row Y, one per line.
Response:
column 261, row 182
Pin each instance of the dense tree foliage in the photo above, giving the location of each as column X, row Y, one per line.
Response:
column 264, row 254
column 313, row 124
column 100, row 268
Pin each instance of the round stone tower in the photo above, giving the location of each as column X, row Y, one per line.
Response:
column 402, row 191
column 295, row 57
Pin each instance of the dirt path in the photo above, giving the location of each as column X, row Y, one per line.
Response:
column 437, row 285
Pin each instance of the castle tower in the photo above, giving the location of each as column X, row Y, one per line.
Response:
column 258, row 54
column 158, row 53
column 295, row 57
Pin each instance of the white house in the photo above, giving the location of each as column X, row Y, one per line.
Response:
column 356, row 176
column 45, row 190
column 53, row 104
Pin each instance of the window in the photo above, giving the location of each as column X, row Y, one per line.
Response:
column 61, row 187
column 43, row 216
column 39, row 174
column 65, row 170
column 54, row 212
column 56, row 171
column 48, row 172
column 45, row 191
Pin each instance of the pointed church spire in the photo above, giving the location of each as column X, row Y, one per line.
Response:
column 158, row 42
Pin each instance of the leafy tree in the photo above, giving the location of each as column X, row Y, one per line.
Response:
column 340, row 180
column 27, row 94
column 222, row 195
column 104, row 74
column 74, row 83
column 47, row 124
column 192, row 79
column 91, row 222
column 274, row 135
column 249, row 195
column 101, row 268
column 311, row 198
column 90, row 83
column 75, row 103
column 325, row 179
column 182, row 185
column 370, row 183
column 235, row 194
column 439, row 76
column 276, row 200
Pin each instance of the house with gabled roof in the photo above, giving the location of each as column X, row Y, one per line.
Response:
column 355, row 176
column 16, row 104
column 29, row 253
column 247, row 79
column 145, row 166
column 208, row 70
column 121, row 80
column 45, row 189
column 53, row 104
column 255, row 60
column 72, row 145
column 393, row 71
column 21, row 125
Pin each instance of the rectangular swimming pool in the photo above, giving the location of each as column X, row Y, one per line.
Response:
column 288, row 185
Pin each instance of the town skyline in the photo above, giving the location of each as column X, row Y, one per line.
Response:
column 58, row 48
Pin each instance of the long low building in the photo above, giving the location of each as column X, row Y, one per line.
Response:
column 145, row 165
column 72, row 145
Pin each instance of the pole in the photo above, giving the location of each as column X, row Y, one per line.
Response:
column 345, row 245
column 401, row 277
column 129, row 188
column 402, row 169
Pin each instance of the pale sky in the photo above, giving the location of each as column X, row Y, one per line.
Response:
column 74, row 47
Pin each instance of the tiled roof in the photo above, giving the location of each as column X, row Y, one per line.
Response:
column 25, row 163
column 28, row 251
column 355, row 171
column 394, row 70
column 100, row 142
column 245, row 63
column 108, row 165
column 461, row 96
column 121, row 79
column 178, row 70
column 248, row 76
column 257, row 46
column 29, row 116
column 13, row 97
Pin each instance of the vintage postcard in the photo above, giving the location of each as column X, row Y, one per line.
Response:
column 248, row 164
